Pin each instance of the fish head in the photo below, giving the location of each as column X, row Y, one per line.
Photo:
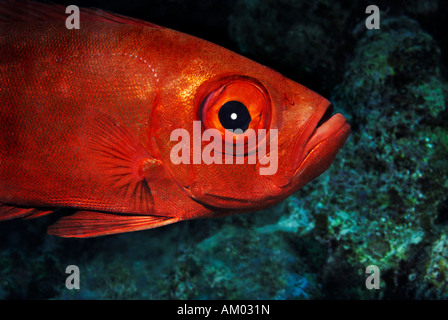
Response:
column 254, row 136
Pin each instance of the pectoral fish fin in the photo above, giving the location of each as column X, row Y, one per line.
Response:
column 86, row 224
column 123, row 162
column 8, row 212
column 30, row 11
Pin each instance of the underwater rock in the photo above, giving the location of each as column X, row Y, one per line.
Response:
column 238, row 263
column 383, row 193
column 433, row 284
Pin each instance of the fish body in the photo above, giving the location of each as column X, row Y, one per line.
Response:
column 87, row 117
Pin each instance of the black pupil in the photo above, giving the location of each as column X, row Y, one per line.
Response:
column 234, row 115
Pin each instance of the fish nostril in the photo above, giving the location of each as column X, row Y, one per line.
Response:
column 327, row 115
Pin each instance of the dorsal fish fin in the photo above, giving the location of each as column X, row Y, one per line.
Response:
column 30, row 11
column 86, row 224
column 8, row 212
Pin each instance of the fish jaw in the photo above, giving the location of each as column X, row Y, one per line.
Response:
column 325, row 137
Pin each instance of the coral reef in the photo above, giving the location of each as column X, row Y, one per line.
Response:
column 387, row 185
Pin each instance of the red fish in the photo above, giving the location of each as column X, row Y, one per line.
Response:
column 87, row 116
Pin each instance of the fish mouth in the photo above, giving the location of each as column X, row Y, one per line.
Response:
column 325, row 134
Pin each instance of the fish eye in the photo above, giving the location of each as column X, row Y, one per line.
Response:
column 234, row 115
column 233, row 103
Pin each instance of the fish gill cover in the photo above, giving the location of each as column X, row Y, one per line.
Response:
column 382, row 202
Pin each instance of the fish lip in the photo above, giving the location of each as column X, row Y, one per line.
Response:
column 310, row 127
column 318, row 130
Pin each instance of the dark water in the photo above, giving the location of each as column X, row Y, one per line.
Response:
column 383, row 202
